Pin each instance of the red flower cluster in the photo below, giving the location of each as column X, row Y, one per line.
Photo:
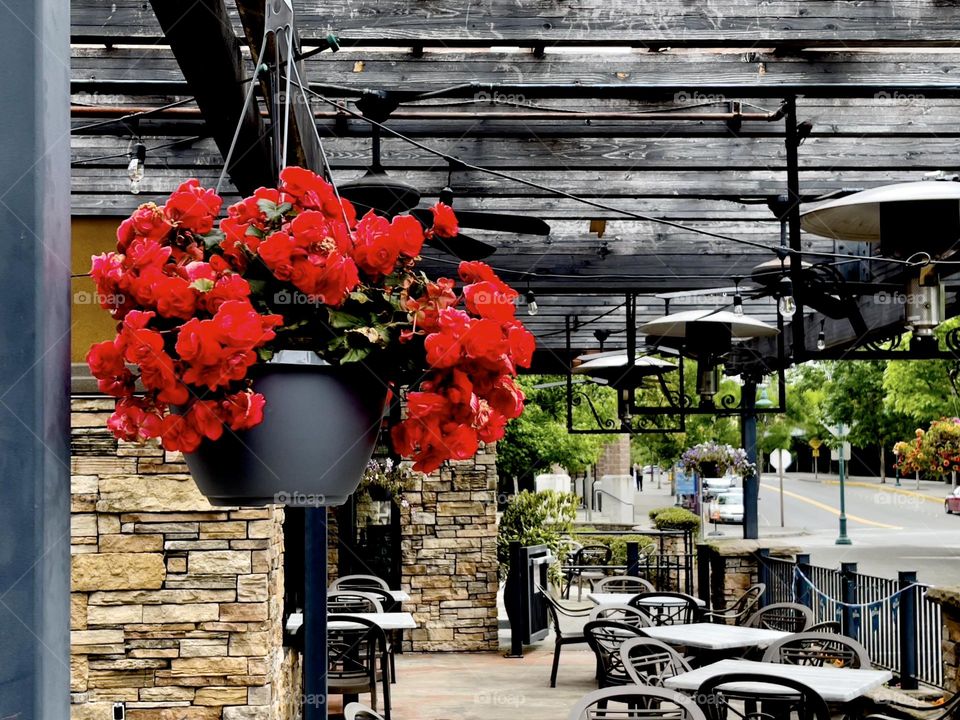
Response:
column 186, row 324
column 469, row 394
column 194, row 307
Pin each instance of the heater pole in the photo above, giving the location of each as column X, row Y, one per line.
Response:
column 751, row 482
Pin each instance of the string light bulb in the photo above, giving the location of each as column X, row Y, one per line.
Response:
column 786, row 306
column 821, row 338
column 532, row 307
column 738, row 302
column 135, row 169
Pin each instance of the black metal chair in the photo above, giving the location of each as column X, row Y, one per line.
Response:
column 827, row 626
column 358, row 659
column 740, row 609
column 560, row 637
column 818, row 649
column 589, row 563
column 605, row 638
column 635, row 703
column 622, row 613
column 623, row 584
column 755, row 696
column 352, row 601
column 358, row 582
column 786, row 617
column 671, row 608
column 948, row 710
column 650, row 662
column 356, row 711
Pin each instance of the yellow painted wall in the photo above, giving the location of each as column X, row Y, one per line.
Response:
column 91, row 236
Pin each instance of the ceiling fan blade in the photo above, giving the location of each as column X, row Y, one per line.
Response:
column 502, row 222
column 463, row 247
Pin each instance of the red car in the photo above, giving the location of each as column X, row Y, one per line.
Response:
column 952, row 503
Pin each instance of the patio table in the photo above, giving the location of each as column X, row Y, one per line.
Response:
column 714, row 637
column 834, row 685
column 386, row 621
column 621, row 598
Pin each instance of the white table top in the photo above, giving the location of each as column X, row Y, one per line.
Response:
column 621, row 598
column 711, row 636
column 834, row 684
column 387, row 621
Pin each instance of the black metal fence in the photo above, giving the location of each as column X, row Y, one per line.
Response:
column 892, row 618
column 667, row 563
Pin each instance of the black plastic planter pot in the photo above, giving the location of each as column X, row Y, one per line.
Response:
column 319, row 428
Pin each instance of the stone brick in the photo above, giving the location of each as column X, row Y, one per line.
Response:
column 243, row 612
column 114, row 614
column 198, row 612
column 204, row 647
column 246, row 713
column 116, row 543
column 79, row 667
column 253, row 588
column 161, row 597
column 78, row 611
column 219, row 562
column 221, row 530
column 221, row 696
column 213, row 666
column 117, row 571
column 250, row 644
column 163, row 493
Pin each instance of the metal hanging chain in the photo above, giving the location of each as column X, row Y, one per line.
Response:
column 243, row 111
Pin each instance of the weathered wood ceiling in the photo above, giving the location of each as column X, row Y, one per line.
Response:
column 878, row 81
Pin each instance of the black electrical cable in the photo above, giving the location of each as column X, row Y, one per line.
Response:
column 181, row 141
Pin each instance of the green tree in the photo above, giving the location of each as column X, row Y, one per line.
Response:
column 921, row 389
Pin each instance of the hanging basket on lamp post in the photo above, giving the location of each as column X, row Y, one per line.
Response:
column 263, row 349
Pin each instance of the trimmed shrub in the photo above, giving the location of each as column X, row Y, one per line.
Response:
column 675, row 518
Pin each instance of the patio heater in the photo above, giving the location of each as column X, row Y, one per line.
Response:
column 906, row 219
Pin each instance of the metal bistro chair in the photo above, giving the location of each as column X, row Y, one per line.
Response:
column 605, row 638
column 584, row 560
column 740, row 609
column 562, row 637
column 357, row 660
column 754, row 696
column 949, row 710
column 352, row 601
column 636, row 703
column 681, row 609
column 827, row 626
column 786, row 617
column 358, row 582
column 622, row 613
column 357, row 711
column 623, row 584
column 818, row 649
column 650, row 662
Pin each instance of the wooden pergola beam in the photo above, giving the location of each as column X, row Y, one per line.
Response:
column 202, row 39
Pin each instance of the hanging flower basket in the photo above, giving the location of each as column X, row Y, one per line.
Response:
column 203, row 310
column 712, row 459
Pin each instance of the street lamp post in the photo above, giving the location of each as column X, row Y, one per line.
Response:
column 841, row 431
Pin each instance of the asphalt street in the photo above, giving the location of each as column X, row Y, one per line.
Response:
column 891, row 528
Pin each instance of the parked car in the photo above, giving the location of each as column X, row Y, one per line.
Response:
column 714, row 486
column 952, row 503
column 727, row 507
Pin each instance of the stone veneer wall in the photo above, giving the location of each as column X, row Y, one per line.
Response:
column 949, row 599
column 176, row 606
column 449, row 549
column 615, row 459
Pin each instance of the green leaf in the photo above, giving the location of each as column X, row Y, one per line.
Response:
column 354, row 355
column 359, row 297
column 254, row 231
column 340, row 319
column 257, row 286
column 265, row 354
column 267, row 207
column 213, row 238
column 376, row 335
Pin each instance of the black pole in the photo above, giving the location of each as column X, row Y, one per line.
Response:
column 850, row 616
column 751, row 483
column 35, row 361
column 908, row 630
column 792, row 143
column 513, row 600
column 633, row 559
column 315, row 614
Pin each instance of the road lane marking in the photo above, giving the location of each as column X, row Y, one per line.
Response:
column 882, row 488
column 824, row 506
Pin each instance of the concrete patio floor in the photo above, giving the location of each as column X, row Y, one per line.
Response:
column 485, row 686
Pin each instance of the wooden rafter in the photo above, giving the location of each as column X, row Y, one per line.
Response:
column 202, row 39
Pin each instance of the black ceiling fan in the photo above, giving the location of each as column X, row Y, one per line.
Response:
column 390, row 196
